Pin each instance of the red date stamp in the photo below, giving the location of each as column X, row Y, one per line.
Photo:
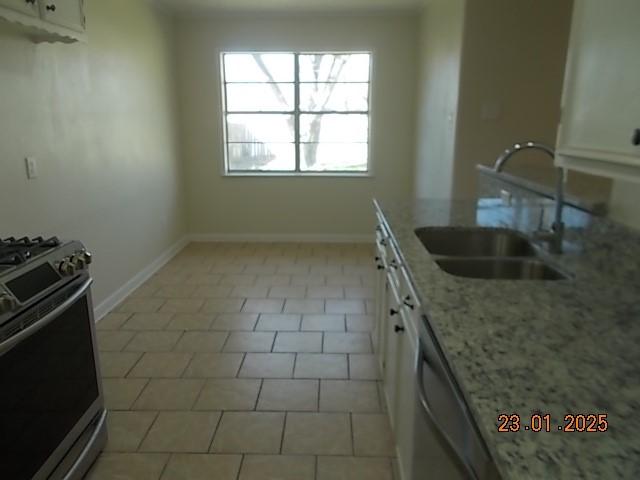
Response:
column 542, row 422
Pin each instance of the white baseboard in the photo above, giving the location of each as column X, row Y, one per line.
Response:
column 281, row 238
column 138, row 279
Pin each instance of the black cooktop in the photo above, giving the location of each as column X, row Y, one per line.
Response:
column 16, row 251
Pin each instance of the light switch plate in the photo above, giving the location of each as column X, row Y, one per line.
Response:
column 32, row 167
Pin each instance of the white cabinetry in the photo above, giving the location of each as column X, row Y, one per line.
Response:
column 65, row 13
column 396, row 343
column 600, row 126
column 381, row 306
column 405, row 399
column 29, row 8
column 46, row 20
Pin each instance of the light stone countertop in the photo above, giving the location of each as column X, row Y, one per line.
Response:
column 558, row 347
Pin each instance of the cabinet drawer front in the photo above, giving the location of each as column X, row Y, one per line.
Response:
column 65, row 13
column 22, row 6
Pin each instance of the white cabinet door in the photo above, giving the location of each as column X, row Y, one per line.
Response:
column 601, row 101
column 28, row 7
column 399, row 377
column 392, row 347
column 405, row 401
column 378, row 334
column 65, row 13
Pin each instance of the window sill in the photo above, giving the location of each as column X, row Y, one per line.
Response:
column 299, row 174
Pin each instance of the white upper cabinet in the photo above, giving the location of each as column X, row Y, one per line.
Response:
column 600, row 126
column 27, row 7
column 46, row 20
column 66, row 13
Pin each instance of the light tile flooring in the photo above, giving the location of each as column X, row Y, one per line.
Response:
column 246, row 362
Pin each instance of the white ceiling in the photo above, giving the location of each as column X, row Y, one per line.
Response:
column 289, row 5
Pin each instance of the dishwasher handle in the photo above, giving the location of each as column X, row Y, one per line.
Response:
column 444, row 438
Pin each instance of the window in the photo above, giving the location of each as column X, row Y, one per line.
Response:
column 296, row 112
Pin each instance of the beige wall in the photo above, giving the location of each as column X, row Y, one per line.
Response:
column 513, row 63
column 441, row 35
column 295, row 205
column 491, row 74
column 99, row 119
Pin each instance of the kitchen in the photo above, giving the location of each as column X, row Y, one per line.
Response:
column 235, row 317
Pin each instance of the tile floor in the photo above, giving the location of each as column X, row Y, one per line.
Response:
column 246, row 362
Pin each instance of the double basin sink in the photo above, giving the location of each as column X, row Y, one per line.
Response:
column 486, row 253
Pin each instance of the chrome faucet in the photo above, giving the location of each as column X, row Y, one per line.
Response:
column 554, row 236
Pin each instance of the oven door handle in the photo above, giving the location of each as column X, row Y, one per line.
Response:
column 72, row 473
column 441, row 433
column 46, row 320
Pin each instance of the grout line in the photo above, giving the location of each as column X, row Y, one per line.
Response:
column 215, row 432
column 224, row 344
column 193, row 356
column 244, row 356
column 148, row 429
column 127, row 342
column 172, row 349
column 148, row 380
column 284, row 428
column 197, row 397
column 353, row 440
column 295, row 363
column 240, row 466
column 166, row 464
column 255, row 407
column 140, row 355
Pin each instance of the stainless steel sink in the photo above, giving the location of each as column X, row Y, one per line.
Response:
column 500, row 268
column 475, row 242
column 486, row 253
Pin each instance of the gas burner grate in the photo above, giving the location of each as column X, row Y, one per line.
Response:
column 26, row 242
column 15, row 251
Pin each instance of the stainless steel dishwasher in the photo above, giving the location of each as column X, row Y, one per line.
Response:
column 447, row 443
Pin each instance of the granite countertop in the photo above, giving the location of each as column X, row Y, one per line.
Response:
column 557, row 347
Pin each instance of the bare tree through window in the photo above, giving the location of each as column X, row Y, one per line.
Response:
column 325, row 107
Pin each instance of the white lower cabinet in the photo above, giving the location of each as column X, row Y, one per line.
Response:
column 395, row 341
column 392, row 348
column 378, row 333
column 405, row 398
column 434, row 432
column 397, row 354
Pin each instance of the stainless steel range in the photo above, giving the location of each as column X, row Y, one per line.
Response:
column 52, row 415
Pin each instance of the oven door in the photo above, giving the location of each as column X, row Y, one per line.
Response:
column 49, row 382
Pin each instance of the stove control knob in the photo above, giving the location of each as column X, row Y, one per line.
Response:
column 66, row 268
column 85, row 257
column 7, row 303
column 78, row 261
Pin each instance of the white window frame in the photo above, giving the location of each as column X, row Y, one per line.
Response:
column 296, row 112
